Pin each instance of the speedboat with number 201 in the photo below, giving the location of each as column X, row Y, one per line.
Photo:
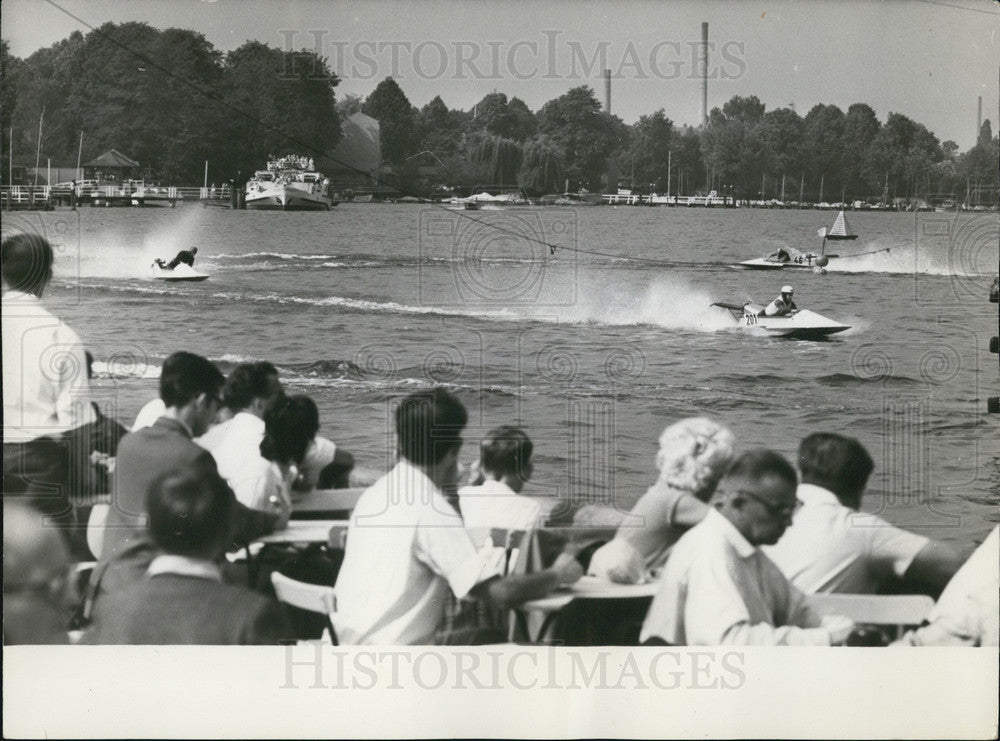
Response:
column 802, row 324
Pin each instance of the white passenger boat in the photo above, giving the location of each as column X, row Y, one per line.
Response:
column 802, row 324
column 289, row 183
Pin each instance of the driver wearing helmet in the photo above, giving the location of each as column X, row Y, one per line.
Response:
column 783, row 304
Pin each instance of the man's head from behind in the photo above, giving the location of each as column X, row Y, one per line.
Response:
column 837, row 463
column 252, row 388
column 35, row 570
column 429, row 428
column 191, row 513
column 757, row 496
column 26, row 263
column 189, row 385
column 505, row 455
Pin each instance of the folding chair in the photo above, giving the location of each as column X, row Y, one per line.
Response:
column 311, row 597
column 897, row 611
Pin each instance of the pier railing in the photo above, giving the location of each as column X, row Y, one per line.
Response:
column 41, row 196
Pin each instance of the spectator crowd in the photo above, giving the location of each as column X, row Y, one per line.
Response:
column 733, row 544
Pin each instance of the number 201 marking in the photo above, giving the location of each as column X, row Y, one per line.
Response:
column 751, row 319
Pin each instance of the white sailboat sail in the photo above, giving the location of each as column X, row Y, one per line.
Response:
column 840, row 229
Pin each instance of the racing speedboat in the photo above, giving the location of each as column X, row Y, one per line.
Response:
column 181, row 273
column 785, row 260
column 802, row 324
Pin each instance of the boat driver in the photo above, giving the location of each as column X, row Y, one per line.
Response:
column 184, row 256
column 783, row 304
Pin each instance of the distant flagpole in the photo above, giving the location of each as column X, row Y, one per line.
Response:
column 79, row 155
column 38, row 149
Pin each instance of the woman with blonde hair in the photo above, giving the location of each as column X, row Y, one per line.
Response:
column 693, row 457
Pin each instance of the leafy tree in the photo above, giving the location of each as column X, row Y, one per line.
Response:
column 498, row 157
column 783, row 131
column 648, row 154
column 390, row 107
column 825, row 151
column 585, row 136
column 861, row 126
column 496, row 115
column 349, row 105
column 541, row 168
column 284, row 103
column 734, row 146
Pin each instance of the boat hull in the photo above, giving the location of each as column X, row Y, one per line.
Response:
column 284, row 198
column 182, row 273
column 802, row 325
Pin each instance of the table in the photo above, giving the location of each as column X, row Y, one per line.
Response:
column 325, row 504
column 331, row 533
column 588, row 587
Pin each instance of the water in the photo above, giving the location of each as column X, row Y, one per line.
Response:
column 593, row 353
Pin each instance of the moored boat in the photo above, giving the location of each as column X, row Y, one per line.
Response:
column 289, row 183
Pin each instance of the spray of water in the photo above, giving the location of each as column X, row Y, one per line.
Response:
column 121, row 254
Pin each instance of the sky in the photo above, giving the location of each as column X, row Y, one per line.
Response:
column 927, row 59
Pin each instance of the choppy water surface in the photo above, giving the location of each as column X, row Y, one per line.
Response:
column 593, row 353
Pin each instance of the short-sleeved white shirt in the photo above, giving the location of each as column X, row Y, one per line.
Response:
column 406, row 547
column 718, row 589
column 493, row 504
column 833, row 548
column 45, row 385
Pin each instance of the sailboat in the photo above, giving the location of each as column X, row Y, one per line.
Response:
column 839, row 230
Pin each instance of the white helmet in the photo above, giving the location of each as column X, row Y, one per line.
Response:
column 787, row 289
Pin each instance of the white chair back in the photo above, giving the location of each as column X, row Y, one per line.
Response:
column 95, row 528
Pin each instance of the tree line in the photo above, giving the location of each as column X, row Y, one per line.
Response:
column 171, row 101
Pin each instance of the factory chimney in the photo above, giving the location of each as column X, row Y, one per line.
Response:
column 979, row 117
column 704, row 73
column 607, row 91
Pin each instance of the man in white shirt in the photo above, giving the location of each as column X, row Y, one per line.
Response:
column 833, row 547
column 505, row 463
column 45, row 388
column 968, row 611
column 718, row 588
column 407, row 546
column 250, row 389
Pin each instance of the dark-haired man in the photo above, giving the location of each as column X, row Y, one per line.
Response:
column 832, row 547
column 407, row 546
column 189, row 387
column 248, row 392
column 718, row 588
column 46, row 392
column 181, row 599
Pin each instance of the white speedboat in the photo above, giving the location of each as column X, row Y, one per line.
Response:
column 289, row 183
column 181, row 273
column 788, row 260
column 802, row 324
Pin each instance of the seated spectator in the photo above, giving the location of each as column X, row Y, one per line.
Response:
column 694, row 454
column 46, row 393
column 968, row 611
column 181, row 599
column 718, row 588
column 832, row 547
column 265, row 482
column 249, row 391
column 407, row 546
column 150, row 412
column 324, row 463
column 189, row 387
column 35, row 575
column 505, row 464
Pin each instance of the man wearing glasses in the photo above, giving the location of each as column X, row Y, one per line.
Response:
column 718, row 588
